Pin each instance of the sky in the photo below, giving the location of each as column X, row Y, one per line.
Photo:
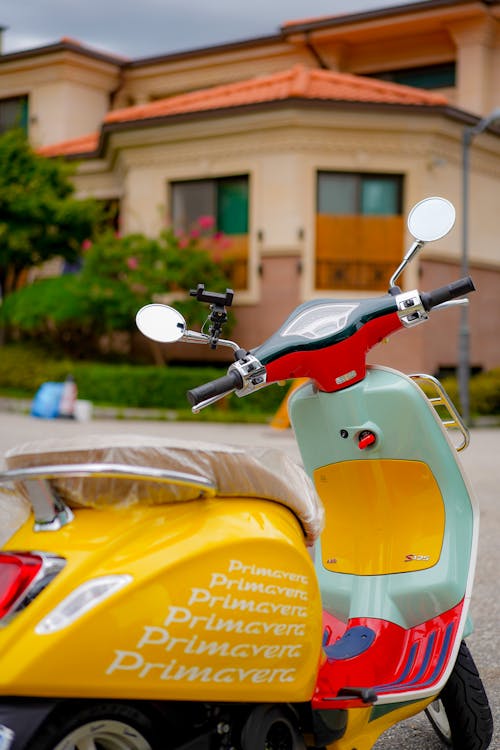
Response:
column 140, row 28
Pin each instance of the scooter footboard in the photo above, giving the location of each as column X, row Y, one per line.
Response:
column 375, row 660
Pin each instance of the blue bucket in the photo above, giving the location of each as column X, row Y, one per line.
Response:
column 46, row 401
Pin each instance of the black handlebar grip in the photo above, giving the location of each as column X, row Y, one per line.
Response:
column 216, row 387
column 446, row 293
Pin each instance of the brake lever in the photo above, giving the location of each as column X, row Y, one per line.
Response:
column 209, row 401
column 453, row 303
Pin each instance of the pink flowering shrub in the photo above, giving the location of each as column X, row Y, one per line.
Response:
column 206, row 222
column 119, row 274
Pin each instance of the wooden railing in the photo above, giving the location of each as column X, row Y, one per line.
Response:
column 357, row 252
column 345, row 274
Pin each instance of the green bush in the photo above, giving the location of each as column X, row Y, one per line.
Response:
column 25, row 369
column 484, row 392
column 161, row 388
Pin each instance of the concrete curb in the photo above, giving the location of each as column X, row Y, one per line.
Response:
column 23, row 406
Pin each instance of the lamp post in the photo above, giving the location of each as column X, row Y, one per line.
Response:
column 464, row 334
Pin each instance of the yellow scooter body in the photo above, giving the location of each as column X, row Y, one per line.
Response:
column 222, row 605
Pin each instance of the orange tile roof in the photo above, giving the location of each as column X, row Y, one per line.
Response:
column 298, row 82
column 83, row 145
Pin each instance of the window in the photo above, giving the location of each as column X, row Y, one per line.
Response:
column 111, row 214
column 225, row 201
column 359, row 230
column 424, row 77
column 14, row 113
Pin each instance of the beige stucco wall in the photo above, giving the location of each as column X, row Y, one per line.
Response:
column 61, row 107
column 282, row 151
column 96, row 179
column 68, row 94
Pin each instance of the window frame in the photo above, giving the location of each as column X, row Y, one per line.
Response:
column 215, row 181
column 400, row 75
column 333, row 269
column 238, row 256
column 398, row 177
column 23, row 101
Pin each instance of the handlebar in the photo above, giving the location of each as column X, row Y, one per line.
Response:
column 218, row 387
column 446, row 293
column 286, row 353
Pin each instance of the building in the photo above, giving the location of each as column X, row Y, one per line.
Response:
column 308, row 146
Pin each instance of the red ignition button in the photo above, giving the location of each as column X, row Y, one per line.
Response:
column 366, row 438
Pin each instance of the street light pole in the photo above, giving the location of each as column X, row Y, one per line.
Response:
column 464, row 332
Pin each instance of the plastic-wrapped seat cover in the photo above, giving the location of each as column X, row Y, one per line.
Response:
column 14, row 511
column 235, row 472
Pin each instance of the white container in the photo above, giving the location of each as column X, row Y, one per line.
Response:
column 83, row 410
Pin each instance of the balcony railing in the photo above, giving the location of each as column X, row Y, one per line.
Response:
column 357, row 252
column 347, row 274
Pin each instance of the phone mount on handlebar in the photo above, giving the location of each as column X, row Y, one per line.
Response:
column 218, row 314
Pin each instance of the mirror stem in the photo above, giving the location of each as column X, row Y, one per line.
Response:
column 194, row 337
column 414, row 249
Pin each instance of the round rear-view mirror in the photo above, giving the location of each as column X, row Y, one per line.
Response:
column 160, row 323
column 431, row 219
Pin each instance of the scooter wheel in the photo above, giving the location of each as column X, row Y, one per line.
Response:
column 461, row 716
column 111, row 726
column 272, row 727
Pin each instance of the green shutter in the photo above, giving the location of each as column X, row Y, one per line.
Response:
column 380, row 196
column 232, row 205
column 23, row 113
column 14, row 113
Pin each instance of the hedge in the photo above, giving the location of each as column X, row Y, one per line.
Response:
column 484, row 392
column 23, row 370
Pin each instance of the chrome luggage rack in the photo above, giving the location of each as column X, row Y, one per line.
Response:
column 51, row 512
column 453, row 421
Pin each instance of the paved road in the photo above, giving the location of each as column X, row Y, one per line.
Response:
column 482, row 465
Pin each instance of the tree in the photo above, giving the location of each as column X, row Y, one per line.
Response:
column 39, row 216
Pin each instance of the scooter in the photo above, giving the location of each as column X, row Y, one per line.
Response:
column 209, row 597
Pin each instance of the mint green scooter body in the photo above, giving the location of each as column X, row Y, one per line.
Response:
column 406, row 427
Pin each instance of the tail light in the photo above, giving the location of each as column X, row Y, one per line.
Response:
column 23, row 575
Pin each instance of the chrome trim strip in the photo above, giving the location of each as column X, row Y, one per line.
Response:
column 51, row 513
column 51, row 566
